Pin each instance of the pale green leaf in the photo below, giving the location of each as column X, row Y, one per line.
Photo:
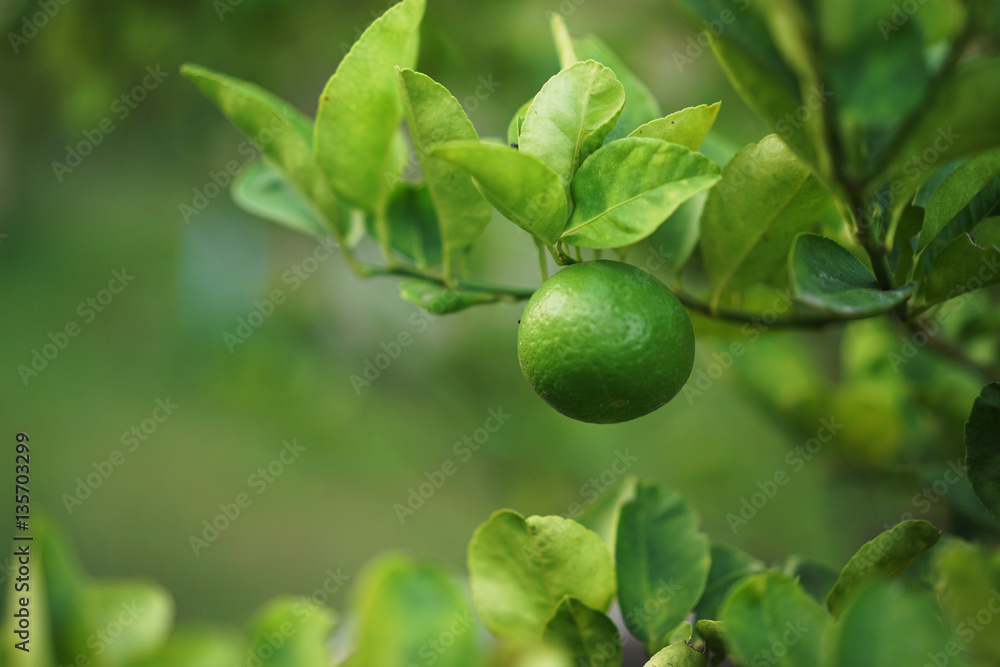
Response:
column 687, row 127
column 585, row 633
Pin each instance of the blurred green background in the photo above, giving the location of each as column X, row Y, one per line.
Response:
column 162, row 336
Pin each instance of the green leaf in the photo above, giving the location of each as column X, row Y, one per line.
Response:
column 520, row 186
column 520, row 570
column 886, row 556
column 687, row 127
column 674, row 241
column 961, row 267
column 987, row 234
column 662, row 562
column 982, row 447
column 146, row 605
column 766, row 197
column 360, row 111
column 514, row 128
column 640, row 103
column 199, row 648
column 887, row 625
column 958, row 121
column 678, row 655
column 571, row 116
column 563, row 40
column 602, row 516
column 405, row 609
column 769, row 619
column 291, row 632
column 729, row 565
column 434, row 116
column 828, row 277
column 414, row 229
column 279, row 130
column 714, row 633
column 967, row 584
column 587, row 634
column 630, row 186
column 266, row 192
column 815, row 578
column 956, row 192
column 441, row 300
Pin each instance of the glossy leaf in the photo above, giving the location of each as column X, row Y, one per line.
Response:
column 956, row 192
column 265, row 191
column 521, row 569
column 887, row 625
column 729, row 565
column 571, row 116
column 828, row 277
column 404, row 609
column 279, row 130
column 687, row 127
column 360, row 111
column 886, row 556
column 441, row 300
column 982, row 447
column 967, row 584
column 291, row 632
column 625, row 190
column 662, row 562
column 766, row 197
column 434, row 116
column 585, row 633
column 961, row 267
column 520, row 186
column 680, row 654
column 768, row 617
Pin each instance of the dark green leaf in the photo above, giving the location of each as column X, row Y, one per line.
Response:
column 413, row 224
column 687, row 127
column 587, row 634
column 982, row 447
column 357, row 125
column 441, row 300
column 815, row 578
column 886, row 556
column 729, row 565
column 662, row 562
column 956, row 192
column 828, row 277
column 521, row 569
column 987, row 234
column 961, row 267
column 630, row 186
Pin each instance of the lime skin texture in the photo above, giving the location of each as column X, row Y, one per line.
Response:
column 605, row 342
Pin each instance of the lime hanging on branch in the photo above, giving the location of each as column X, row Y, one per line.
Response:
column 605, row 342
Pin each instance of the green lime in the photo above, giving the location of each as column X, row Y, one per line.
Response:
column 605, row 342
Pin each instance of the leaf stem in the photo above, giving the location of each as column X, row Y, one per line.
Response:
column 543, row 260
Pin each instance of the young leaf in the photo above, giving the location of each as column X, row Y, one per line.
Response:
column 563, row 40
column 571, row 116
column 827, row 276
column 982, row 447
column 265, row 191
column 360, row 111
column 304, row 628
column 729, row 565
column 403, row 608
column 414, row 227
column 279, row 130
column 640, row 103
column 441, row 300
column 514, row 128
column 520, row 186
column 625, row 190
column 967, row 584
column 886, row 556
column 956, row 192
column 687, row 127
column 662, row 562
column 961, row 267
column 887, row 625
column 434, row 116
column 520, row 570
column 766, row 196
column 585, row 633
column 769, row 615
column 680, row 654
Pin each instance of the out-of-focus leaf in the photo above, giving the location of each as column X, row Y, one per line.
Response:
column 441, row 300
column 602, row 516
column 585, row 633
column 815, row 578
column 967, row 584
column 961, row 267
column 680, row 654
column 956, row 192
column 291, row 632
column 413, row 224
column 982, row 447
column 729, row 565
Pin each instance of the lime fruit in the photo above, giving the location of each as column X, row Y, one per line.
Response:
column 605, row 342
